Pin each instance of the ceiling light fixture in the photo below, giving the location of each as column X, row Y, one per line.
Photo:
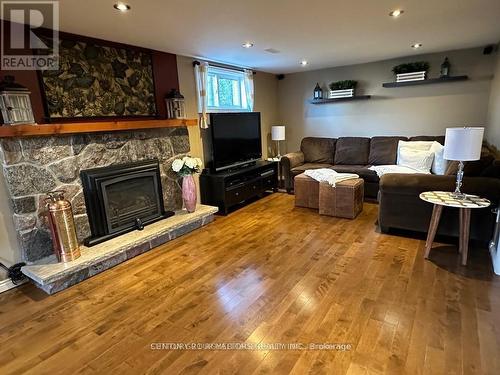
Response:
column 396, row 13
column 416, row 45
column 247, row 45
column 121, row 7
column 303, row 62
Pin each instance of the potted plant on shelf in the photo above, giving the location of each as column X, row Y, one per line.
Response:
column 342, row 89
column 414, row 71
column 186, row 168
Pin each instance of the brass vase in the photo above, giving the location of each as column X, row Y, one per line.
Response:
column 62, row 226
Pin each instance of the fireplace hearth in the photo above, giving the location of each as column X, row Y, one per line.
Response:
column 122, row 198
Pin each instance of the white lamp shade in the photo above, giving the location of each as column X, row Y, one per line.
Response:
column 463, row 144
column 278, row 133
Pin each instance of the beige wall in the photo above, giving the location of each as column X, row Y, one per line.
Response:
column 9, row 248
column 416, row 110
column 493, row 129
column 266, row 102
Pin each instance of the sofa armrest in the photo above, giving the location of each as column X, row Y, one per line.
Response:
column 292, row 160
column 414, row 184
column 289, row 161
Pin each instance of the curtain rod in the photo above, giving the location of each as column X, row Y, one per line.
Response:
column 196, row 62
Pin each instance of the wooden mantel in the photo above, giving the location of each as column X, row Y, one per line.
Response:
column 8, row 131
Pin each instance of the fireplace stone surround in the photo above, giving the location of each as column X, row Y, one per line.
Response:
column 33, row 166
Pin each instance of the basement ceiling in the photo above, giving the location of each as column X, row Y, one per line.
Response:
column 326, row 33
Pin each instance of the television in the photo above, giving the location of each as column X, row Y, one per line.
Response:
column 236, row 139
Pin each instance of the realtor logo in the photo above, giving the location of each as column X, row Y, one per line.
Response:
column 29, row 35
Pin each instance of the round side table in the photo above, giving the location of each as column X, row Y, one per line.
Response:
column 442, row 199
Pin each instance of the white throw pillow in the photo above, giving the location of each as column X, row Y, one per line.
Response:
column 417, row 159
column 413, row 145
column 440, row 164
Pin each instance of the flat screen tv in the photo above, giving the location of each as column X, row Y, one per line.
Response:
column 236, row 139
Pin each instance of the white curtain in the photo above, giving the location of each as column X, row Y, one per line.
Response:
column 201, row 78
column 249, row 88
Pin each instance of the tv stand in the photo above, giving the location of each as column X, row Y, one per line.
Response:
column 227, row 189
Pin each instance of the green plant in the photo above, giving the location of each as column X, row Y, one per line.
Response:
column 418, row 66
column 343, row 85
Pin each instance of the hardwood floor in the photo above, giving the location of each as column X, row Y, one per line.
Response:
column 268, row 273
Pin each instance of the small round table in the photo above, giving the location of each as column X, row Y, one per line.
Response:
column 442, row 199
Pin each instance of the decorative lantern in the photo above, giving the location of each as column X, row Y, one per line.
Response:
column 318, row 92
column 175, row 104
column 445, row 68
column 15, row 103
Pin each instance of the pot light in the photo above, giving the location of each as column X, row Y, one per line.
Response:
column 416, row 45
column 396, row 13
column 303, row 62
column 247, row 45
column 121, row 7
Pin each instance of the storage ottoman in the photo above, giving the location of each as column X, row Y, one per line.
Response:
column 344, row 200
column 306, row 191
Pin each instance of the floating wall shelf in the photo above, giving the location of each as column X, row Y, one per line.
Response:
column 335, row 100
column 425, row 81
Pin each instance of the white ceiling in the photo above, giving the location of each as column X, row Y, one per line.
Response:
column 325, row 32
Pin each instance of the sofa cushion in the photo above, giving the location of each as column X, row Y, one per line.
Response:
column 318, row 150
column 305, row 166
column 352, row 150
column 437, row 138
column 384, row 150
column 474, row 168
column 361, row 170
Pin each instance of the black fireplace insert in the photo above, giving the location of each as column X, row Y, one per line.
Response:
column 122, row 198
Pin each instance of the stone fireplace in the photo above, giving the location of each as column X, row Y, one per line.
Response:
column 121, row 198
column 32, row 166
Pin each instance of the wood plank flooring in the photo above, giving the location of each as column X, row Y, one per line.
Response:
column 268, row 273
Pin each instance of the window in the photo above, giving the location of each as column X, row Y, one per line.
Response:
column 226, row 90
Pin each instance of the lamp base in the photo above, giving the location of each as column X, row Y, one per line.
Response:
column 457, row 194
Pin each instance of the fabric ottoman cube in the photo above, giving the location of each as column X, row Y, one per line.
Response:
column 306, row 191
column 344, row 200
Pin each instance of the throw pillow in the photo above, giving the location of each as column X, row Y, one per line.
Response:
column 414, row 145
column 440, row 164
column 417, row 159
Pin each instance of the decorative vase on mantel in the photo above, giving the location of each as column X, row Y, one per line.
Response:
column 186, row 168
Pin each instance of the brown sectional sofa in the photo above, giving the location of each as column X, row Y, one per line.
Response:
column 400, row 206
column 346, row 154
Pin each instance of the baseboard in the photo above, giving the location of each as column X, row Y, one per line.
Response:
column 7, row 284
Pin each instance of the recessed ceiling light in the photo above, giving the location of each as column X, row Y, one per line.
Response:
column 303, row 62
column 121, row 7
column 396, row 13
column 247, row 45
column 416, row 45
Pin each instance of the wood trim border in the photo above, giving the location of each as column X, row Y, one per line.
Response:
column 9, row 131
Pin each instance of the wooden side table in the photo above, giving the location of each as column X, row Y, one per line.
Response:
column 442, row 199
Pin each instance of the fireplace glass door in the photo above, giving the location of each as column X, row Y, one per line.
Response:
column 122, row 198
column 129, row 199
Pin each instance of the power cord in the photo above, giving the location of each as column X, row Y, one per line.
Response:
column 14, row 272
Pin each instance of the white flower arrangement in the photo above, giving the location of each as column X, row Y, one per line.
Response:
column 187, row 166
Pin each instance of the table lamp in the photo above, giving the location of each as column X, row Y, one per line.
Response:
column 278, row 134
column 462, row 144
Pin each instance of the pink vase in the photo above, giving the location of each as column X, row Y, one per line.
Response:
column 189, row 193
